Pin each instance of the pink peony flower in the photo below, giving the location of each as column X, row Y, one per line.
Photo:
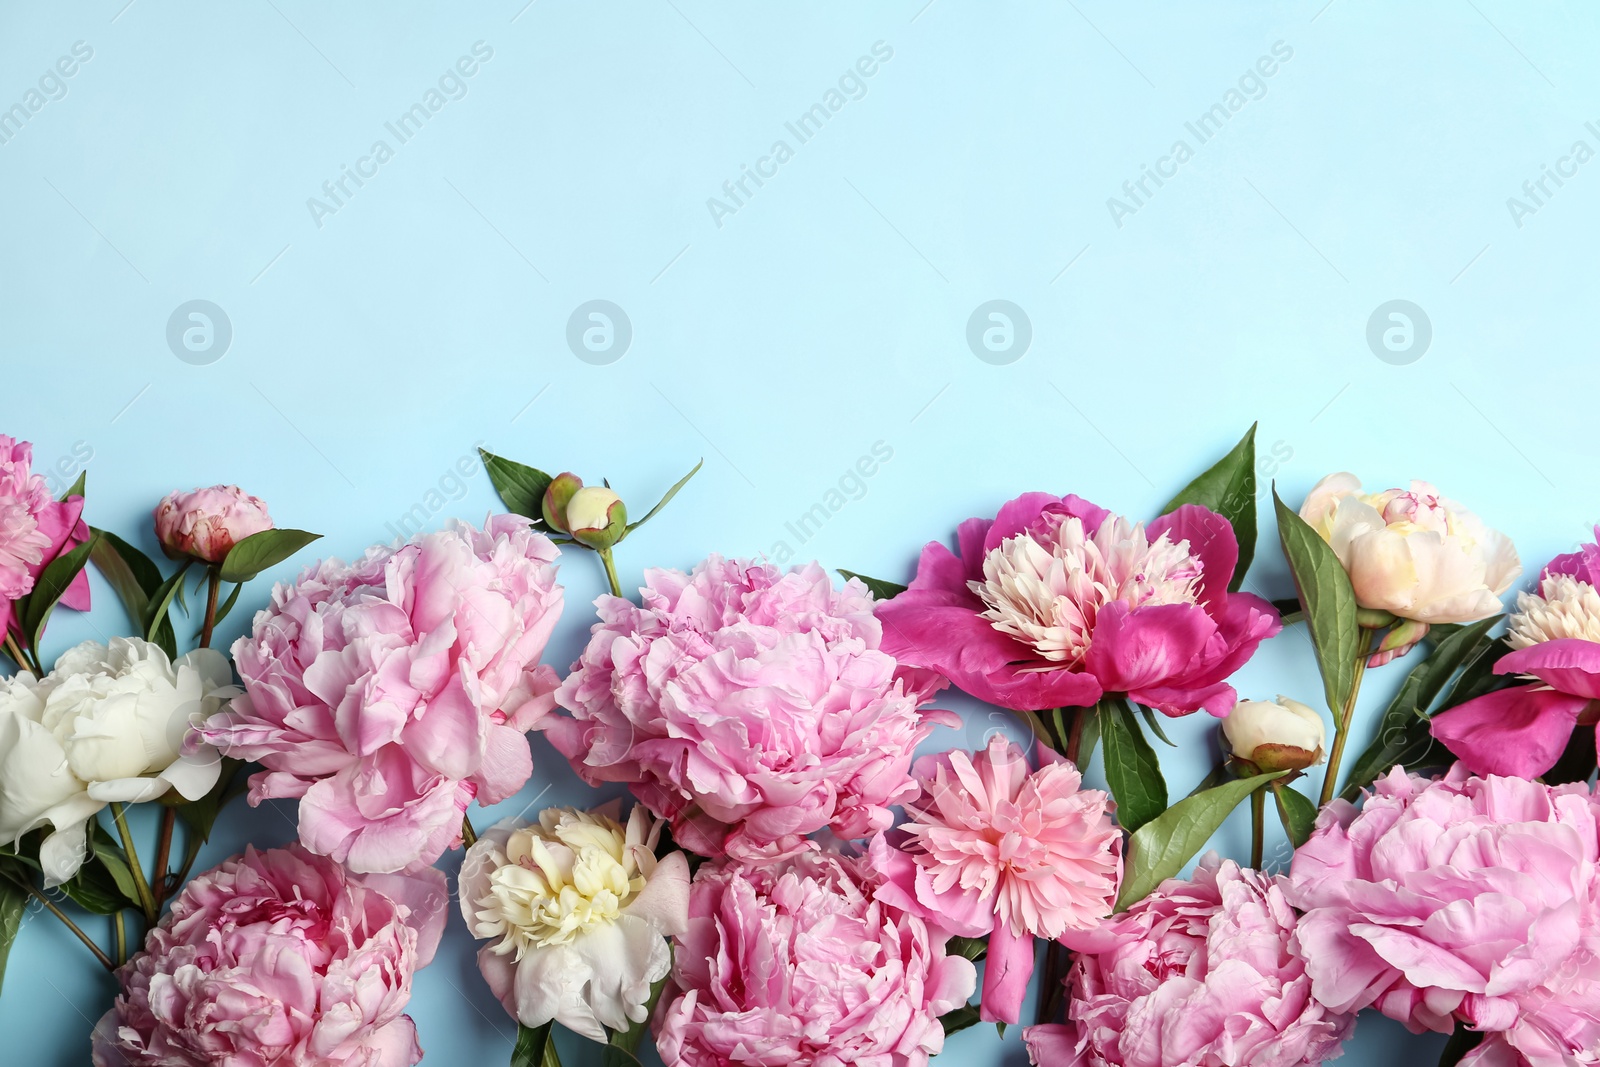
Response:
column 747, row 706
column 998, row 852
column 278, row 959
column 1470, row 899
column 35, row 528
column 1055, row 602
column 1201, row 973
column 387, row 693
column 1555, row 639
column 797, row 963
column 206, row 523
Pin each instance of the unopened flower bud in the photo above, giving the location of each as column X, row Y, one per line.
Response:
column 596, row 517
column 1275, row 735
column 556, row 498
column 205, row 524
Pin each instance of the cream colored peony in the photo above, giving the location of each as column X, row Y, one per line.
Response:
column 1277, row 734
column 577, row 911
column 107, row 724
column 1413, row 553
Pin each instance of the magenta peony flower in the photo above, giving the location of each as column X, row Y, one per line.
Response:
column 1470, row 899
column 1002, row 853
column 206, row 523
column 747, row 706
column 1200, row 973
column 35, row 528
column 389, row 692
column 797, row 963
column 278, row 959
column 1555, row 638
column 1055, row 602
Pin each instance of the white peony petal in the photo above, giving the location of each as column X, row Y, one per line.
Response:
column 128, row 790
column 63, row 852
column 193, row 776
column 34, row 776
column 664, row 901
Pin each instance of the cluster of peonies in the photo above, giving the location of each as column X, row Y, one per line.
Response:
column 1461, row 899
column 1205, row 971
column 278, row 957
column 388, row 693
column 108, row 724
column 747, row 706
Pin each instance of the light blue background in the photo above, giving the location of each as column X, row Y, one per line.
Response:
column 829, row 312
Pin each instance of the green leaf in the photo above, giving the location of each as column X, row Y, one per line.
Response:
column 227, row 605
column 160, row 603
column 256, row 553
column 135, row 578
column 1229, row 489
column 13, row 906
column 1462, row 1041
column 104, row 884
column 1329, row 602
column 1154, row 723
column 1132, row 770
column 880, row 589
column 1402, row 735
column 1219, row 774
column 1297, row 811
column 959, row 1019
column 1289, row 610
column 536, row 1047
column 973, row 948
column 1577, row 762
column 520, row 486
column 1159, row 849
column 1088, row 735
column 679, row 484
column 77, row 487
column 35, row 608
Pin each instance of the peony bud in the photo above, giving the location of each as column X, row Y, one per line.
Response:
column 556, row 498
column 1275, row 735
column 205, row 524
column 596, row 517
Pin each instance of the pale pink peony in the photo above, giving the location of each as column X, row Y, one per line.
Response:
column 1056, row 602
column 278, row 959
column 996, row 851
column 798, row 963
column 205, row 524
column 35, row 528
column 1201, row 973
column 747, row 706
column 387, row 693
column 1463, row 899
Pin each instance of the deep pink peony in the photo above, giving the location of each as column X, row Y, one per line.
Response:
column 797, row 963
column 35, row 528
column 1200, row 973
column 278, row 959
column 1555, row 639
column 1470, row 899
column 389, row 692
column 747, row 706
column 1056, row 601
column 1000, row 852
column 205, row 524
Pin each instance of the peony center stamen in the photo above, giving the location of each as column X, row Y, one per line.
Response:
column 1046, row 588
column 1563, row 607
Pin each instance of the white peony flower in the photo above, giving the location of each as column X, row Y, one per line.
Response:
column 577, row 911
column 1413, row 553
column 107, row 724
column 1276, row 734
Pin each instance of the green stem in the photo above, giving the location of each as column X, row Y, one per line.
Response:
column 1258, row 821
column 147, row 899
column 469, row 836
column 16, row 652
column 58, row 913
column 1341, row 728
column 611, row 571
column 213, row 587
column 169, row 816
column 1075, row 734
column 122, row 937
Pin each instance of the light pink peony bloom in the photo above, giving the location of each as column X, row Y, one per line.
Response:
column 996, row 851
column 747, row 706
column 1470, row 899
column 797, row 963
column 206, row 523
column 35, row 528
column 387, row 693
column 278, row 959
column 1055, row 602
column 1201, row 972
column 1554, row 634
